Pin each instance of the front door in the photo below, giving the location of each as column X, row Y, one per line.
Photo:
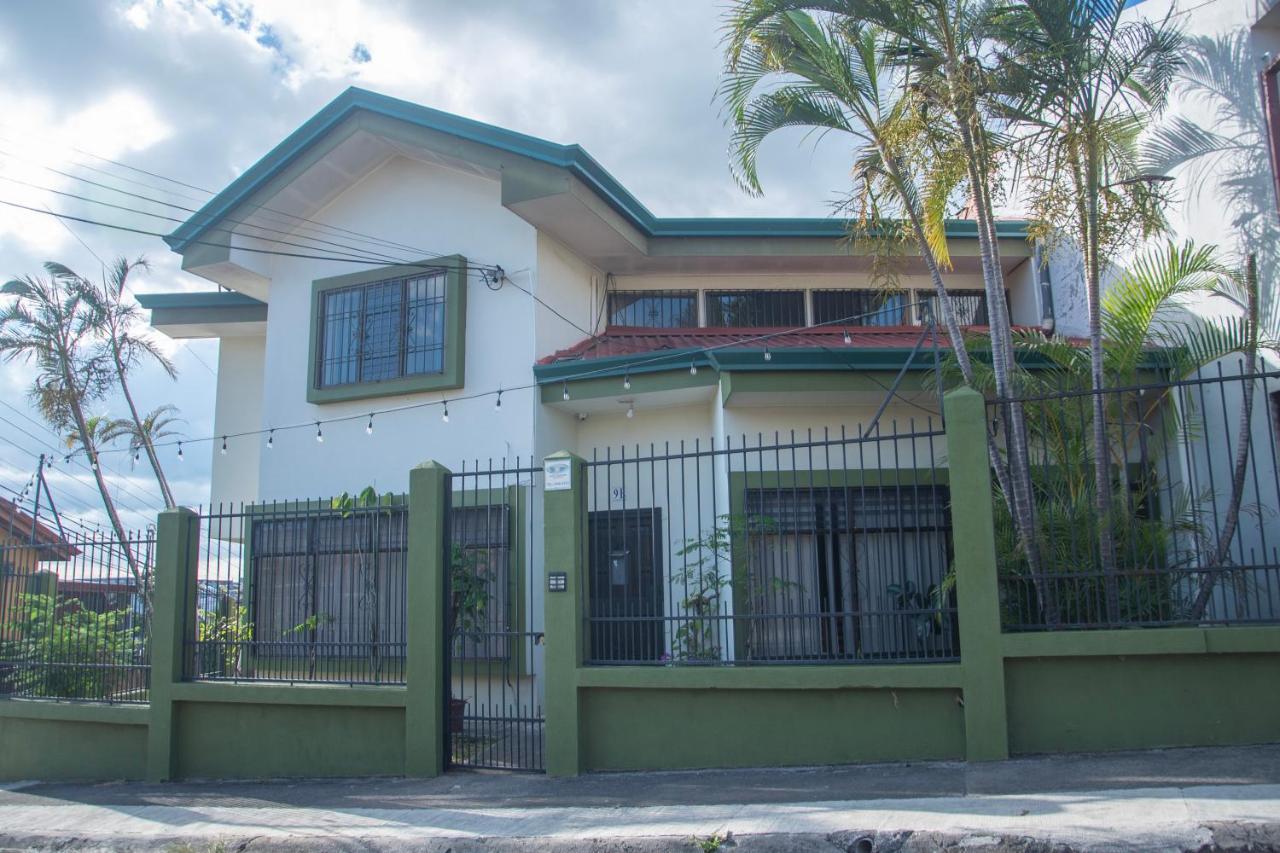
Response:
column 626, row 586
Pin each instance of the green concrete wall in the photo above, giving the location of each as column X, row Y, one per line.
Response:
column 665, row 729
column 1099, row 703
column 70, row 748
column 231, row 740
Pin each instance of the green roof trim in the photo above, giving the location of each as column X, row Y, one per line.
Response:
column 751, row 360
column 572, row 158
column 198, row 299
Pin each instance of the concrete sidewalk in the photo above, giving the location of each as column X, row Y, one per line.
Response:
column 1197, row 799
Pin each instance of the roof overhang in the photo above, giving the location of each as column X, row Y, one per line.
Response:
column 214, row 314
column 559, row 189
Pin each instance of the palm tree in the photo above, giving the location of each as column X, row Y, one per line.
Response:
column 921, row 107
column 1081, row 85
column 154, row 426
column 1144, row 311
column 49, row 325
column 117, row 322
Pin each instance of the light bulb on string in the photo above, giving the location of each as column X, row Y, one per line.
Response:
column 693, row 367
column 565, row 394
column 626, row 381
column 631, row 410
column 224, row 446
column 768, row 356
column 271, row 439
column 368, row 430
column 848, row 338
column 497, row 406
column 319, row 434
column 180, row 454
column 444, row 416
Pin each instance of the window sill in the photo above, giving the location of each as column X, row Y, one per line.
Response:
column 445, row 381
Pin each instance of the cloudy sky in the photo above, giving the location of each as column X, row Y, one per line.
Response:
column 196, row 91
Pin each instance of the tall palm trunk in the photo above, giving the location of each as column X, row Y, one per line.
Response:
column 1231, row 520
column 1022, row 500
column 86, row 441
column 949, row 319
column 1097, row 380
column 143, row 435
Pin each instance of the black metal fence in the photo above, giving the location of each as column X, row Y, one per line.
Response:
column 795, row 550
column 1194, row 506
column 494, row 617
column 74, row 615
column 300, row 591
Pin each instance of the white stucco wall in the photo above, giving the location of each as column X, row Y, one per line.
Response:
column 441, row 211
column 239, row 409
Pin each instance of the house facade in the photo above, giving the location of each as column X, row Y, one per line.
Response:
column 595, row 329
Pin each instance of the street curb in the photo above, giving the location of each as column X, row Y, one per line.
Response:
column 1233, row 837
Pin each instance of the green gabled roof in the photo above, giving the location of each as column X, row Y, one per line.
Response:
column 572, row 158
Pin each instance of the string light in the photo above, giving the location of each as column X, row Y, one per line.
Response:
column 135, row 455
column 368, row 430
column 565, row 395
column 444, row 416
column 497, row 405
column 631, row 410
column 224, row 445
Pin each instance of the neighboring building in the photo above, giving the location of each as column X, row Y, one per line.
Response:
column 27, row 547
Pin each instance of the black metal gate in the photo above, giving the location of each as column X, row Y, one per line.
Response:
column 493, row 675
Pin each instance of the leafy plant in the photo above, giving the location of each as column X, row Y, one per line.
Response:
column 64, row 649
column 923, row 608
column 710, row 566
column 224, row 634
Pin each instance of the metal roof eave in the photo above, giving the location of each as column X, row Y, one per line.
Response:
column 572, row 158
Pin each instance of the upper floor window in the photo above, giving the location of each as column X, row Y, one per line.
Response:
column 384, row 330
column 655, row 309
column 970, row 307
column 394, row 330
column 861, row 307
column 755, row 308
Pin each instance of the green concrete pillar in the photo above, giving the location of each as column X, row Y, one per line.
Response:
column 977, row 590
column 425, row 723
column 173, row 620
column 564, row 553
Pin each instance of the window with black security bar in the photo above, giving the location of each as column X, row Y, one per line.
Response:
column 745, row 309
column 305, row 591
column 654, row 309
column 863, row 307
column 970, row 307
column 800, row 549
column 381, row 331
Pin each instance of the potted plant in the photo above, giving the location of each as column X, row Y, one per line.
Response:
column 468, row 601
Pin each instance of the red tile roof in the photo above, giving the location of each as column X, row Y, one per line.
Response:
column 16, row 525
column 633, row 340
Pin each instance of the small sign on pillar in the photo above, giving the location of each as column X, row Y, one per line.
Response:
column 557, row 581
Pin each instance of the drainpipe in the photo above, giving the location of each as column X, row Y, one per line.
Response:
column 1045, row 282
